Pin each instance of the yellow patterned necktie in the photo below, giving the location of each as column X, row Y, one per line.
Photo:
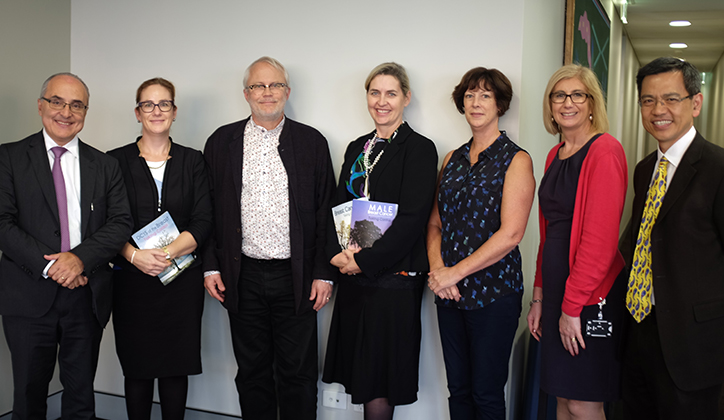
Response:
column 638, row 296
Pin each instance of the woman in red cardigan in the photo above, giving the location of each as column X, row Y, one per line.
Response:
column 581, row 199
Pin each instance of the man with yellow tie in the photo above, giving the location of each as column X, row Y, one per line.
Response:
column 674, row 350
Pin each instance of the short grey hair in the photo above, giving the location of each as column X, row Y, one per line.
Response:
column 44, row 88
column 272, row 62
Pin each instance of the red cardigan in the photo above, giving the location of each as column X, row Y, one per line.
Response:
column 594, row 260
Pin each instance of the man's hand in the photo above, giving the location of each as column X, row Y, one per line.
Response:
column 321, row 291
column 215, row 286
column 65, row 270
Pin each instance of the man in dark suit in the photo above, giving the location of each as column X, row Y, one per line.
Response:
column 674, row 353
column 271, row 183
column 57, row 235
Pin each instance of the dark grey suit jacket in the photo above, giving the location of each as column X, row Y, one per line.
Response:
column 305, row 155
column 688, row 263
column 29, row 226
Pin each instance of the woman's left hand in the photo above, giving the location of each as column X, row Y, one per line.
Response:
column 450, row 293
column 570, row 330
column 442, row 278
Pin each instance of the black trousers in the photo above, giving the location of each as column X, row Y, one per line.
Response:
column 70, row 331
column 647, row 388
column 272, row 342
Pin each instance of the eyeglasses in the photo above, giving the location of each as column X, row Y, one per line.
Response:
column 148, row 106
column 576, row 97
column 274, row 87
column 669, row 101
column 77, row 107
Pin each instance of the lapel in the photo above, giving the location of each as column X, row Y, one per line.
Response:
column 286, row 154
column 236, row 154
column 683, row 176
column 388, row 156
column 88, row 175
column 41, row 166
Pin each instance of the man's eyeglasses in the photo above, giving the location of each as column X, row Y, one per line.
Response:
column 148, row 106
column 77, row 107
column 669, row 101
column 576, row 97
column 274, row 87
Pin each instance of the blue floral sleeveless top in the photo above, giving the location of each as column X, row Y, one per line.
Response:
column 469, row 204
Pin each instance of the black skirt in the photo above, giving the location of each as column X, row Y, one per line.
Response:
column 157, row 327
column 374, row 342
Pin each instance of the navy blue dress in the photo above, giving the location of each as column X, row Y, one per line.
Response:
column 594, row 374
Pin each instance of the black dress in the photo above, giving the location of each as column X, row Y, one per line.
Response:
column 158, row 328
column 594, row 374
column 374, row 338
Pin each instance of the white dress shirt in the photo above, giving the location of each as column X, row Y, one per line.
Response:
column 673, row 155
column 70, row 164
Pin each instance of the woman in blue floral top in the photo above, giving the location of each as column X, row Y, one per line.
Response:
column 485, row 193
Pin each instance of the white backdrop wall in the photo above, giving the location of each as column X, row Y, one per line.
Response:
column 328, row 48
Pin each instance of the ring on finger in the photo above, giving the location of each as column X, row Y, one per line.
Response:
column 573, row 339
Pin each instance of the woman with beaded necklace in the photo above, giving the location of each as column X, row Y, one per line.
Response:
column 374, row 340
column 158, row 327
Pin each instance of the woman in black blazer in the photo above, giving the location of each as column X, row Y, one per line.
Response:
column 374, row 342
column 158, row 327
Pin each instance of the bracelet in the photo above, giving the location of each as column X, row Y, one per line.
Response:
column 168, row 254
column 535, row 301
column 134, row 254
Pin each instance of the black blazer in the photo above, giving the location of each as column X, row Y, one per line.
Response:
column 185, row 193
column 688, row 263
column 305, row 155
column 406, row 174
column 29, row 226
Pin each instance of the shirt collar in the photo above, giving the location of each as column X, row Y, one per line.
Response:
column 276, row 130
column 490, row 151
column 677, row 150
column 71, row 146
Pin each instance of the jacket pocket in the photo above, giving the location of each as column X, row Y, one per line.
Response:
column 706, row 311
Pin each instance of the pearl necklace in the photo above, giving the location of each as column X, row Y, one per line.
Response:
column 371, row 143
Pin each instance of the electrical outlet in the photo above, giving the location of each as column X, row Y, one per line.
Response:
column 334, row 400
column 358, row 407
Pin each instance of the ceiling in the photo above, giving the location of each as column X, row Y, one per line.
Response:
column 650, row 34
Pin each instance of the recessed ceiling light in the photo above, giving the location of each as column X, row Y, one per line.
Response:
column 679, row 23
column 678, row 45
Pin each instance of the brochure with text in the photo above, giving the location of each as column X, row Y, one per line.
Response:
column 359, row 223
column 158, row 234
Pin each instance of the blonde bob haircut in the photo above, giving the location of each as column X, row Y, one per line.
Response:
column 593, row 88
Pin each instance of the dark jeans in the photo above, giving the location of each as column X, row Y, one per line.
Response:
column 69, row 330
column 648, row 390
column 476, row 345
column 271, row 341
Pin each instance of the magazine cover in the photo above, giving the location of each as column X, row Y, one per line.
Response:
column 158, row 234
column 369, row 220
column 342, row 215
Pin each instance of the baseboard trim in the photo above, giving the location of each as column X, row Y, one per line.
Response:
column 112, row 406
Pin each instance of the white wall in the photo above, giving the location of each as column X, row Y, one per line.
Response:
column 328, row 47
column 714, row 104
column 28, row 58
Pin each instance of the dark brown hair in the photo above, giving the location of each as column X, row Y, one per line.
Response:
column 492, row 80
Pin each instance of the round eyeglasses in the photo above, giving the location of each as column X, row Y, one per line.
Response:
column 75, row 106
column 148, row 106
column 576, row 97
